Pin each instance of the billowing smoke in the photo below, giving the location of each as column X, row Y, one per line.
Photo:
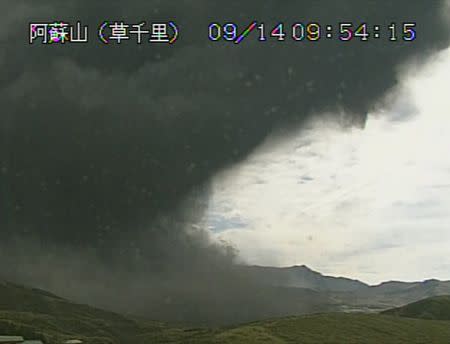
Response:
column 107, row 151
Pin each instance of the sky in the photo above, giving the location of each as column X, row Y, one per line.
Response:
column 370, row 203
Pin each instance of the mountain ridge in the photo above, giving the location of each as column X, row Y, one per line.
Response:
column 41, row 315
column 347, row 294
column 278, row 292
column 307, row 270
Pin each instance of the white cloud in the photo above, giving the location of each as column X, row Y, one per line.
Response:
column 372, row 204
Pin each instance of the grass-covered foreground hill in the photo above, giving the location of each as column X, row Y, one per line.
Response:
column 37, row 314
column 436, row 308
column 339, row 328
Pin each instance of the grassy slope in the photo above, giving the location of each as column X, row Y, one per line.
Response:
column 437, row 308
column 36, row 314
column 326, row 328
column 336, row 328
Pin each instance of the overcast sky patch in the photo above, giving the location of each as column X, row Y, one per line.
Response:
column 369, row 203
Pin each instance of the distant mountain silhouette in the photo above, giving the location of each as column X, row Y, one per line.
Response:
column 277, row 292
column 349, row 294
column 300, row 276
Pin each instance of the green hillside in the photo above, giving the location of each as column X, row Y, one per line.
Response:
column 40, row 315
column 33, row 313
column 325, row 328
column 339, row 328
column 437, row 308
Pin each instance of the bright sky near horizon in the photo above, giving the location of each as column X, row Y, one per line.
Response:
column 371, row 204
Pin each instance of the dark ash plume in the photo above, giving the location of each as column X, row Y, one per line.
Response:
column 106, row 152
